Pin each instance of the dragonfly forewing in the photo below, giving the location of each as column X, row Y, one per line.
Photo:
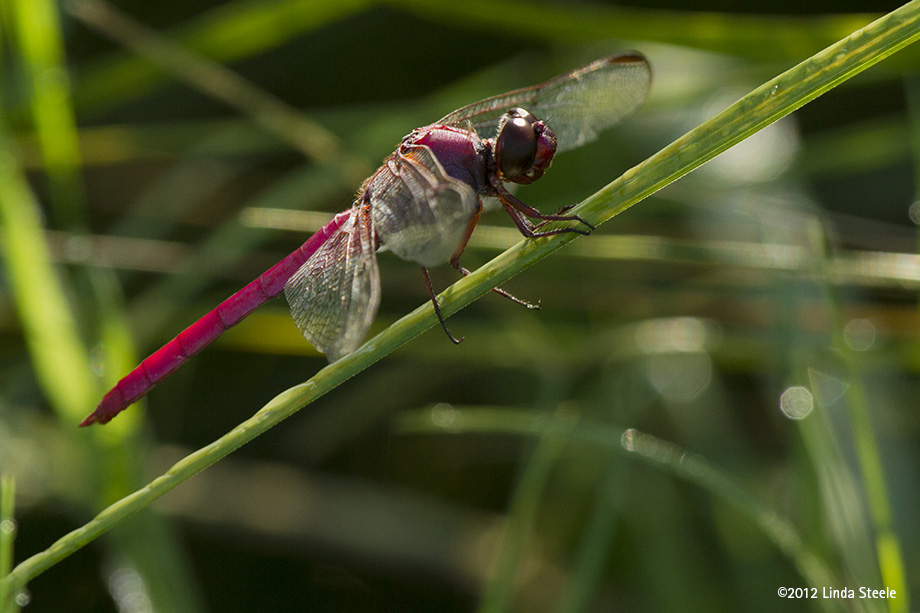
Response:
column 335, row 294
column 577, row 105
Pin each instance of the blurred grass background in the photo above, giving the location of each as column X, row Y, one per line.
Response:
column 638, row 444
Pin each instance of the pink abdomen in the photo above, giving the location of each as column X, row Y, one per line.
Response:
column 206, row 330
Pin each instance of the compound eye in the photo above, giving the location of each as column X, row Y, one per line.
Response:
column 516, row 144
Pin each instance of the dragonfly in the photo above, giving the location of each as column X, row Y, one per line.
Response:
column 422, row 204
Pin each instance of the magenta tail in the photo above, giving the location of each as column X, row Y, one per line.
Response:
column 207, row 329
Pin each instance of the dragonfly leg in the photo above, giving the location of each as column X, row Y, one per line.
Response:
column 455, row 262
column 528, row 229
column 520, row 212
column 562, row 209
column 465, row 272
column 437, row 309
column 455, row 258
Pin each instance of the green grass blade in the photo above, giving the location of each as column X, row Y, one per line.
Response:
column 7, row 536
column 60, row 359
column 763, row 106
column 865, row 535
column 41, row 46
column 891, row 562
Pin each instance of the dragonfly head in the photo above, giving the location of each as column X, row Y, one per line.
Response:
column 524, row 147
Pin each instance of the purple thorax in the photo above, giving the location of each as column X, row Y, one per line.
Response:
column 461, row 152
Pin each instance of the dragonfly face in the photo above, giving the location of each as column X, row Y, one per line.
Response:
column 524, row 147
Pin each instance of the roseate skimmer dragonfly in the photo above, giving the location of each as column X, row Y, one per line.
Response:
column 422, row 204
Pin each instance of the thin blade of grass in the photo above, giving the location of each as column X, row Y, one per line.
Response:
column 60, row 359
column 41, row 46
column 887, row 546
column 7, row 536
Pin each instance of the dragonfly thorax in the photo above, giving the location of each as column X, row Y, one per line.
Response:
column 459, row 151
column 424, row 198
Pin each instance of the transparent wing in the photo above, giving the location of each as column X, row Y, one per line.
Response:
column 576, row 105
column 335, row 294
column 420, row 212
